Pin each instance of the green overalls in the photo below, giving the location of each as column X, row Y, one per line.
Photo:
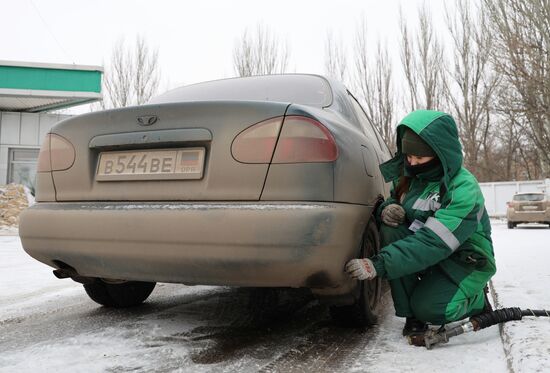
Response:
column 440, row 259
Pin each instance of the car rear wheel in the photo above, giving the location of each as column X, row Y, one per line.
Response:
column 511, row 225
column 119, row 294
column 363, row 312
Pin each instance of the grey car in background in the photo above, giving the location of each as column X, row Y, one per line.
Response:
column 266, row 181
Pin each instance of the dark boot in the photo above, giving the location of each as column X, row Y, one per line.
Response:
column 414, row 326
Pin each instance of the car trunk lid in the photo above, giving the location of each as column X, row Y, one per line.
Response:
column 196, row 135
column 525, row 206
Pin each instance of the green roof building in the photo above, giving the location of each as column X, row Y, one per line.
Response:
column 35, row 87
column 27, row 91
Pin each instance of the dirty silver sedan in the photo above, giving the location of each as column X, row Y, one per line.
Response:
column 267, row 181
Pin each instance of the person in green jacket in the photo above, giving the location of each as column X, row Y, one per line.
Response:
column 435, row 233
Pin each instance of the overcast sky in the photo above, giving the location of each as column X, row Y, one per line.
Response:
column 195, row 39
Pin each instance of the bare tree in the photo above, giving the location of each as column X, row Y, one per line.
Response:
column 521, row 29
column 260, row 53
column 117, row 79
column 335, row 58
column 423, row 60
column 373, row 80
column 514, row 142
column 472, row 83
column 408, row 61
column 146, row 72
column 431, row 62
column 132, row 76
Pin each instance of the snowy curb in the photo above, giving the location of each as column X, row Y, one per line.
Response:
column 504, row 335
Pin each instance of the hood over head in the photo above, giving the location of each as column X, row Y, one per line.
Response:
column 412, row 144
column 439, row 131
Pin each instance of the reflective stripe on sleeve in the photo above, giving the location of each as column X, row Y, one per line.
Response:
column 480, row 213
column 442, row 232
column 426, row 205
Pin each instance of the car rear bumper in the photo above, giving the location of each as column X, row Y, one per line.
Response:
column 237, row 244
column 528, row 216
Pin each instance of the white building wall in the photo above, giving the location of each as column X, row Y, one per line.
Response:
column 497, row 194
column 23, row 130
column 30, row 126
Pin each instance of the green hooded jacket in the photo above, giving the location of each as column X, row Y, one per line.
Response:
column 451, row 226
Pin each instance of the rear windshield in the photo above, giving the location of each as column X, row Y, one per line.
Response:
column 529, row 197
column 298, row 89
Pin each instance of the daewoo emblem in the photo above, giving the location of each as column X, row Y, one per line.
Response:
column 147, row 120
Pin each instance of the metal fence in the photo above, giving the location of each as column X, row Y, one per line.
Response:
column 497, row 194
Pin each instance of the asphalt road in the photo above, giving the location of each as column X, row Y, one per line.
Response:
column 184, row 329
column 50, row 325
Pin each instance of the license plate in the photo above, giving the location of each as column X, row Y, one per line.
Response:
column 162, row 164
column 530, row 208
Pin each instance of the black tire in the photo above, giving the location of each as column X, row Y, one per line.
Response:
column 119, row 295
column 511, row 225
column 363, row 312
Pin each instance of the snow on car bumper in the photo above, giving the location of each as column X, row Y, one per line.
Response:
column 236, row 244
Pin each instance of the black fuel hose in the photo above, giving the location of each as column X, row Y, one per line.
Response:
column 502, row 315
column 475, row 323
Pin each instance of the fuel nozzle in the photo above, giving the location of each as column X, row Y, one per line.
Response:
column 436, row 336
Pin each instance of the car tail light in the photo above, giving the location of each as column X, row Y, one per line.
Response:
column 56, row 154
column 305, row 140
column 509, row 204
column 44, row 163
column 257, row 143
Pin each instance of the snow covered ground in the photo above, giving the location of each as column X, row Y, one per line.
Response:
column 523, row 280
column 48, row 324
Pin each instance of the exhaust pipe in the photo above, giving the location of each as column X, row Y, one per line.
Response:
column 66, row 271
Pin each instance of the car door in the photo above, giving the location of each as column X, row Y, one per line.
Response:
column 375, row 151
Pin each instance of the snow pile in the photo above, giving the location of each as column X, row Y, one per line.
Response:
column 13, row 200
column 30, row 198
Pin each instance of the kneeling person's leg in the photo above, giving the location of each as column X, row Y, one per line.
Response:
column 403, row 287
column 437, row 300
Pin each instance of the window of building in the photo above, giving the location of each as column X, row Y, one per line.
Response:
column 22, row 166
